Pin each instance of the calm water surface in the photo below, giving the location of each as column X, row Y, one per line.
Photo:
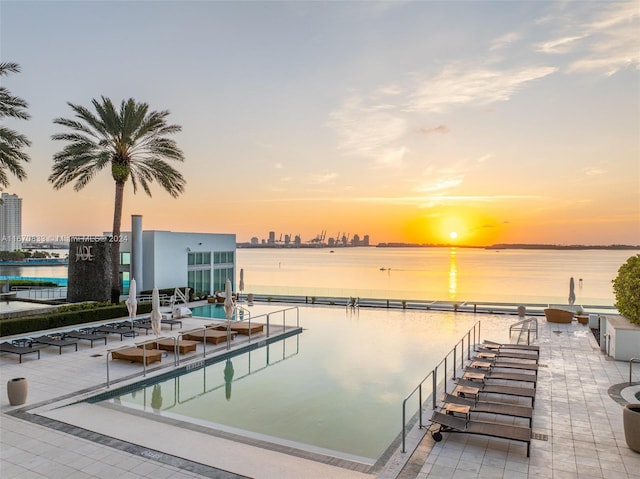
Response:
column 339, row 385
column 456, row 274
column 450, row 274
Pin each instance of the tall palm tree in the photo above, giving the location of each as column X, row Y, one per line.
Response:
column 132, row 141
column 11, row 142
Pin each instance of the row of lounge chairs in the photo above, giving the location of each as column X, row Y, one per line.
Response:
column 214, row 333
column 475, row 394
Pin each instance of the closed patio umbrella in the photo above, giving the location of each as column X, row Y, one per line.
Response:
column 156, row 315
column 132, row 302
column 228, row 300
column 228, row 379
column 156, row 398
column 572, row 293
column 241, row 284
column 228, row 309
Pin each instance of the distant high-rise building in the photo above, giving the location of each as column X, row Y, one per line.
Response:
column 365, row 241
column 10, row 223
column 272, row 237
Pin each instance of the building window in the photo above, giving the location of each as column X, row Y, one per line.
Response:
column 223, row 257
column 125, row 258
column 205, row 278
column 220, row 276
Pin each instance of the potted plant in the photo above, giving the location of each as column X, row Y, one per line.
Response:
column 631, row 420
column 626, row 287
column 17, row 391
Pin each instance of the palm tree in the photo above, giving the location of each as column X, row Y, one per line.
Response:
column 11, row 142
column 132, row 141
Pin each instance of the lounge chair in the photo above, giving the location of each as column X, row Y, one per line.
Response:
column 242, row 327
column 212, row 336
column 58, row 342
column 503, row 353
column 449, row 423
column 87, row 336
column 555, row 315
column 485, row 363
column 491, row 388
column 491, row 407
column 493, row 344
column 116, row 329
column 20, row 350
column 137, row 355
column 184, row 345
column 172, row 322
column 474, row 375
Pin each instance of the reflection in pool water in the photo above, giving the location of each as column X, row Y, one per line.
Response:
column 338, row 386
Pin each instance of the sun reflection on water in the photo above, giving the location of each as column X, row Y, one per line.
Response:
column 453, row 274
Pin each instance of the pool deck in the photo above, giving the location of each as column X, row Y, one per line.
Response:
column 576, row 416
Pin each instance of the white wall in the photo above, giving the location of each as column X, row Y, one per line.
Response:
column 164, row 254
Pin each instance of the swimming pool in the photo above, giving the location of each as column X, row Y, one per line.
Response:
column 337, row 388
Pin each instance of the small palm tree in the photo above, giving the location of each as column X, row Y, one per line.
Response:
column 11, row 142
column 132, row 141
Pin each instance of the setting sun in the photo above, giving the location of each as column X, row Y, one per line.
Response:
column 453, row 235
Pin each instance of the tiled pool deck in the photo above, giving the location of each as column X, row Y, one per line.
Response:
column 579, row 422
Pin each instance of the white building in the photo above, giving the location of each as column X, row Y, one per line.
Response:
column 10, row 223
column 201, row 261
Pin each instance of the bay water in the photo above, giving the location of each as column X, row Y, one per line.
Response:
column 442, row 274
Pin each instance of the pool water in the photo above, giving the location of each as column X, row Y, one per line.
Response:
column 336, row 388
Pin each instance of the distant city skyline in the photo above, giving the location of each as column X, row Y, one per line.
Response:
column 470, row 123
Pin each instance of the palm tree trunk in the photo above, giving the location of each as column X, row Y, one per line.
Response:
column 115, row 244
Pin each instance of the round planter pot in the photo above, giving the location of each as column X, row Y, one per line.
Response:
column 631, row 420
column 17, row 391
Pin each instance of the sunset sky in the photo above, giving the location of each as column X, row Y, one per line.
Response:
column 503, row 122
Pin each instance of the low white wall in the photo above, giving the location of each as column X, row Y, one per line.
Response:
column 624, row 338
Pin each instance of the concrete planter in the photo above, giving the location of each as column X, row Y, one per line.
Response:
column 631, row 420
column 17, row 389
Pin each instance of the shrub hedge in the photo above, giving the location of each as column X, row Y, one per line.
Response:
column 626, row 287
column 57, row 319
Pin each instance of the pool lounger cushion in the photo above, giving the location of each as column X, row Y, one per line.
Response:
column 137, row 355
column 20, row 350
column 213, row 336
column 184, row 345
column 242, row 328
column 450, row 423
column 491, row 407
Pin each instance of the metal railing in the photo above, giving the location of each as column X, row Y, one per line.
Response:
column 30, row 292
column 524, row 326
column 270, row 319
column 138, row 346
column 631, row 361
column 434, row 377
